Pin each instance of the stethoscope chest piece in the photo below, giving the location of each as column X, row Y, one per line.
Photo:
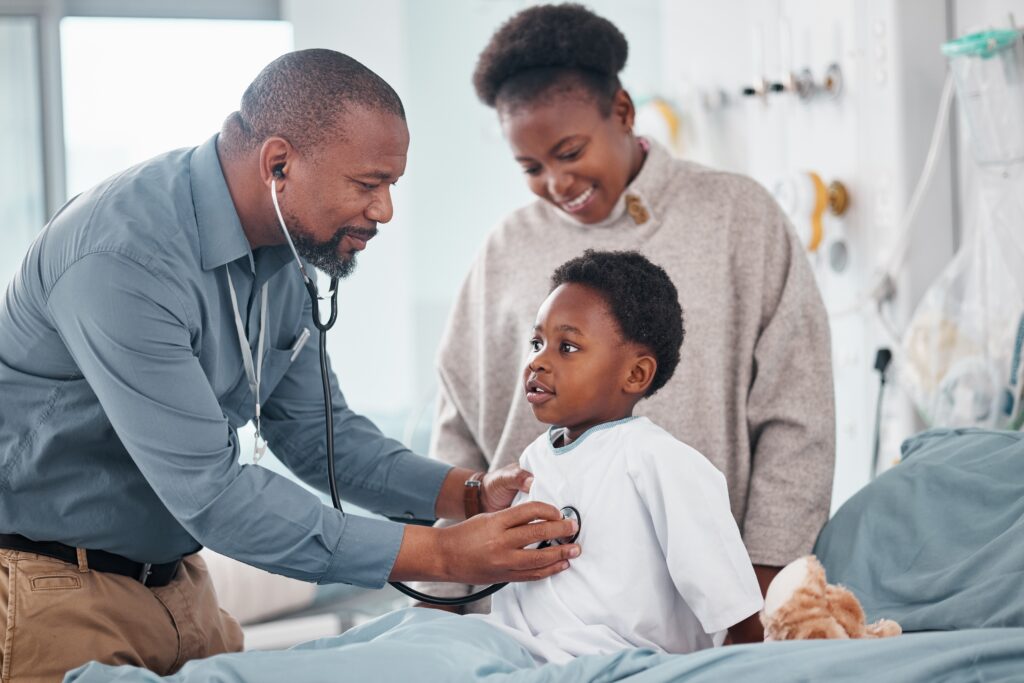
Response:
column 569, row 512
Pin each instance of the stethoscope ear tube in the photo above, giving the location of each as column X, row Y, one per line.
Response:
column 329, row 424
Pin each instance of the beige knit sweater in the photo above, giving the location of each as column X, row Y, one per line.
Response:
column 753, row 390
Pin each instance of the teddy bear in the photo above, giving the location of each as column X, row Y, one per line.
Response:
column 800, row 605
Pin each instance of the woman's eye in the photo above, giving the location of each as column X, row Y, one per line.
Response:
column 570, row 156
column 569, row 348
column 531, row 170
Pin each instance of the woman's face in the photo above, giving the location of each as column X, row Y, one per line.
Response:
column 573, row 156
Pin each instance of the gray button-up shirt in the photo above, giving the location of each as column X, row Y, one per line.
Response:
column 122, row 387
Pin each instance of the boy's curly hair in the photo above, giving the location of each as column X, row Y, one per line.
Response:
column 641, row 298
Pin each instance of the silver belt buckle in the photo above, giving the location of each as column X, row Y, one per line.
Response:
column 147, row 569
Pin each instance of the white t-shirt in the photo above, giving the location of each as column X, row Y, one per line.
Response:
column 662, row 563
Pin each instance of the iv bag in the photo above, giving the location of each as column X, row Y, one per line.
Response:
column 961, row 360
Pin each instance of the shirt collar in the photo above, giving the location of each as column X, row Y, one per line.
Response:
column 221, row 237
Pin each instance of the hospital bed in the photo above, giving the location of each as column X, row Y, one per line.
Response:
column 936, row 543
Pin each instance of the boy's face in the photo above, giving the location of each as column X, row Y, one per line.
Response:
column 580, row 372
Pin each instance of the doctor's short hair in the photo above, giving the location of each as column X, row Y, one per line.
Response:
column 641, row 298
column 549, row 50
column 302, row 96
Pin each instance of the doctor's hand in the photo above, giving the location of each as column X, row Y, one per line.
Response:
column 488, row 548
column 499, row 488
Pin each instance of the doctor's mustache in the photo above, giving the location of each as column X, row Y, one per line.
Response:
column 359, row 233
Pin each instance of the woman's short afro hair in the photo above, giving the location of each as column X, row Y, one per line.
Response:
column 641, row 298
column 549, row 45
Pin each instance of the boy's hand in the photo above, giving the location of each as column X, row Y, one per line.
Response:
column 499, row 488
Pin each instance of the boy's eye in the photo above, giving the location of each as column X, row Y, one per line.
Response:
column 535, row 345
column 569, row 348
column 531, row 170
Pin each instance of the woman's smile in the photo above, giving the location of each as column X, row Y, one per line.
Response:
column 580, row 201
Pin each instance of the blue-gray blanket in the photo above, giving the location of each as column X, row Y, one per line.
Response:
column 936, row 543
column 428, row 645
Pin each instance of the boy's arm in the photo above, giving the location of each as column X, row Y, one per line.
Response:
column 750, row 630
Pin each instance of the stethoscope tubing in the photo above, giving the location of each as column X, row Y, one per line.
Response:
column 323, row 327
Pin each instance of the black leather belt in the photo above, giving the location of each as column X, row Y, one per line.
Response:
column 153, row 575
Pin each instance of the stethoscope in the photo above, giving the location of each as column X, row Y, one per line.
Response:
column 568, row 512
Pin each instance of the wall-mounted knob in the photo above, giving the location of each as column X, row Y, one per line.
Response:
column 832, row 84
column 838, row 198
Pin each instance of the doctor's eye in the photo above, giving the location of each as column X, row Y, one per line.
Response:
column 369, row 186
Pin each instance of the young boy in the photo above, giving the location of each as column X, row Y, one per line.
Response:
column 662, row 566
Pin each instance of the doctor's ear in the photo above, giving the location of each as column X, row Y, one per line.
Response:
column 641, row 374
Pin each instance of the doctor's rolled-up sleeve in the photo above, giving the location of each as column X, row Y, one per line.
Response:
column 131, row 336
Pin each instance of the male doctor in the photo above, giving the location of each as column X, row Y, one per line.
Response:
column 123, row 380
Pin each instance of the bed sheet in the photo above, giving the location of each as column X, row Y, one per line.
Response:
column 428, row 645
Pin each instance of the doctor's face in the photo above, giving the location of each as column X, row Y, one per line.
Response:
column 333, row 199
column 578, row 362
column 572, row 154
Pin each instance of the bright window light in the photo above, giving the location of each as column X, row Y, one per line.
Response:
column 134, row 88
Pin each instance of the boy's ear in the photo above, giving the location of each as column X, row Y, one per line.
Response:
column 641, row 374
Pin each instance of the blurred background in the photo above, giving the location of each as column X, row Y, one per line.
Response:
column 850, row 100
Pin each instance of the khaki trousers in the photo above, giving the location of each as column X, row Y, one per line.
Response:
column 56, row 616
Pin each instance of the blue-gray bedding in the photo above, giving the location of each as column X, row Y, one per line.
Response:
column 936, row 543
column 427, row 645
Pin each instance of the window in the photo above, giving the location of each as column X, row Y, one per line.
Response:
column 23, row 201
column 135, row 88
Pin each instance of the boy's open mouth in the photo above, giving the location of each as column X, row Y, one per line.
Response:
column 537, row 392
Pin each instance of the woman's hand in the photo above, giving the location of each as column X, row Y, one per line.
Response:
column 489, row 548
column 499, row 488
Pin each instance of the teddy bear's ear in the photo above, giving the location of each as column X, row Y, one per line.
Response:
column 794, row 576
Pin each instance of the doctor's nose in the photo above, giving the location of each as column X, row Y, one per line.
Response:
column 381, row 209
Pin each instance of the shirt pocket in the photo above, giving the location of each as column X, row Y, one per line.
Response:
column 275, row 364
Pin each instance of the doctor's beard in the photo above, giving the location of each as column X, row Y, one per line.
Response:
column 324, row 255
